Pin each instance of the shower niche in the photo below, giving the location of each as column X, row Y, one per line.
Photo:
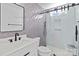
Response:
column 12, row 17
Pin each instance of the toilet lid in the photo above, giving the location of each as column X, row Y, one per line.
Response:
column 44, row 49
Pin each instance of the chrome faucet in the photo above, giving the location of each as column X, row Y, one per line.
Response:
column 16, row 34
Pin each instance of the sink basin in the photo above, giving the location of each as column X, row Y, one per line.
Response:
column 7, row 47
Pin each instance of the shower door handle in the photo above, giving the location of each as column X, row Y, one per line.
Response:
column 76, row 33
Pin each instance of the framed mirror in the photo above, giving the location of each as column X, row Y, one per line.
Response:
column 12, row 17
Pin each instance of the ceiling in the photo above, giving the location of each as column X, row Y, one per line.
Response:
column 49, row 5
column 46, row 5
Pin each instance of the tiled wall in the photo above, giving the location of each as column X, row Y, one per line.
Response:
column 34, row 27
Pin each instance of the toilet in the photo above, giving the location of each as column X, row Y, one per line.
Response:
column 44, row 51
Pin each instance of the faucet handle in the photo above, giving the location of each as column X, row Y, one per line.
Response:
column 10, row 40
column 19, row 38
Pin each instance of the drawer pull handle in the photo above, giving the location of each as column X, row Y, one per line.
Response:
column 26, row 54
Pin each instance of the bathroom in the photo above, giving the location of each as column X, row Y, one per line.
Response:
column 39, row 29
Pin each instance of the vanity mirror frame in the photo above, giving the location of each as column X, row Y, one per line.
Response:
column 22, row 19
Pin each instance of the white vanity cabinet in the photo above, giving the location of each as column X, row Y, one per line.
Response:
column 30, row 50
column 27, row 50
column 23, row 47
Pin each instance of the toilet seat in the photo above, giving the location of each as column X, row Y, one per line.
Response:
column 44, row 51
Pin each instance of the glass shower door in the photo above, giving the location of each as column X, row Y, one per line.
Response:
column 61, row 29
